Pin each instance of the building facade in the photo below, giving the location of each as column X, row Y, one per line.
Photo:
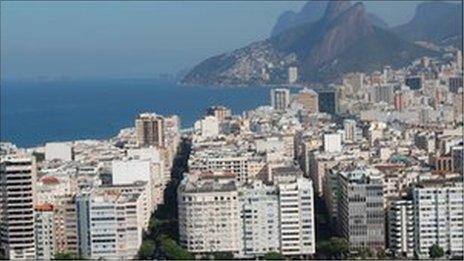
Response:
column 17, row 237
column 150, row 130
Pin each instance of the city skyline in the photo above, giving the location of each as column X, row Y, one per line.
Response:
column 336, row 136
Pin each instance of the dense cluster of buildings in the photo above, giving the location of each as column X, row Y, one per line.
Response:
column 89, row 198
column 388, row 166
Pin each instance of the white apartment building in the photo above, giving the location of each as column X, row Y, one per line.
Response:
column 207, row 127
column 259, row 206
column 332, row 142
column 282, row 146
column 59, row 151
column 296, row 211
column 17, row 176
column 138, row 187
column 292, row 74
column 401, row 228
column 438, row 216
column 209, row 214
column 44, row 223
column 128, row 171
column 249, row 220
column 109, row 224
column 234, row 162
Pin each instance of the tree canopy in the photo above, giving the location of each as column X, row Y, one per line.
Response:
column 436, row 251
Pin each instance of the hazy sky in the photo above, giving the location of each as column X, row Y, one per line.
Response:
column 137, row 39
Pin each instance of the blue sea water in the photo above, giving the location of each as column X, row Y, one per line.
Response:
column 34, row 113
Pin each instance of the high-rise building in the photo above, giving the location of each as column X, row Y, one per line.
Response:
column 349, row 128
column 383, row 93
column 454, row 83
column 59, row 150
column 209, row 127
column 138, row 187
column 398, row 100
column 17, row 176
column 259, row 204
column 220, row 112
column 150, row 130
column 45, row 232
column 414, row 82
column 438, row 216
column 360, row 208
column 459, row 59
column 65, row 225
column 401, row 228
column 296, row 211
column 457, row 153
column 128, row 171
column 280, row 99
column 458, row 105
column 292, row 74
column 209, row 214
column 330, row 102
column 309, row 99
column 332, row 142
column 216, row 214
column 110, row 225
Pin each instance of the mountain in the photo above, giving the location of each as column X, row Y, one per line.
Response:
column 311, row 12
column 436, row 22
column 343, row 40
column 377, row 21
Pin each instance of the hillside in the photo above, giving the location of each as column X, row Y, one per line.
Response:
column 436, row 22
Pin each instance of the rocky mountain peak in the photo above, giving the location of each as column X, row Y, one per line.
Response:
column 335, row 8
column 342, row 32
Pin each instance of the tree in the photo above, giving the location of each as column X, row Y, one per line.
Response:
column 66, row 256
column 335, row 247
column 273, row 256
column 173, row 251
column 436, row 251
column 147, row 250
column 365, row 252
column 381, row 254
column 223, row 256
column 340, row 247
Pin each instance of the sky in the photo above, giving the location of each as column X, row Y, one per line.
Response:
column 126, row 39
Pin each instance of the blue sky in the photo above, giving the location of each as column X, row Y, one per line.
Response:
column 137, row 39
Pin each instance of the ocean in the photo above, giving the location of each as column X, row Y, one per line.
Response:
column 33, row 113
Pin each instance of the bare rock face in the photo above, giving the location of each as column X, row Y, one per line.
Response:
column 335, row 8
column 343, row 30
